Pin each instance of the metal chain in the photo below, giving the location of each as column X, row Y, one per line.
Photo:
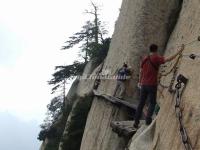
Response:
column 170, row 88
column 184, row 136
column 174, row 69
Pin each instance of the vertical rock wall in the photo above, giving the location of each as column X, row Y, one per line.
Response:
column 140, row 23
column 167, row 127
column 82, row 87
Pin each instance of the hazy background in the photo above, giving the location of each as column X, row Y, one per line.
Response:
column 31, row 35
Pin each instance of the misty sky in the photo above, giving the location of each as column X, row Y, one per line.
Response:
column 31, row 35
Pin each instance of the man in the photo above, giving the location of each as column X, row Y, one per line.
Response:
column 122, row 75
column 148, row 82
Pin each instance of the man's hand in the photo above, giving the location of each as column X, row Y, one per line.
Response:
column 174, row 56
column 139, row 85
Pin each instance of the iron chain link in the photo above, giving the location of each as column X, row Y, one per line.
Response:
column 170, row 89
column 184, row 136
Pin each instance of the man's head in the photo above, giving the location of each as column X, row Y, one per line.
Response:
column 153, row 48
column 125, row 65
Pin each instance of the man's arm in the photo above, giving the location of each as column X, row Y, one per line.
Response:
column 174, row 56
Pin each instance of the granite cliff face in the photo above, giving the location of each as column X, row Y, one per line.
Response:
column 83, row 89
column 140, row 23
column 167, row 133
column 168, row 23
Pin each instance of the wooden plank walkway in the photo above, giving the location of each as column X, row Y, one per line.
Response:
column 122, row 128
column 115, row 100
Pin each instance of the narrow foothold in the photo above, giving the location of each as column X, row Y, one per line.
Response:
column 192, row 56
column 182, row 79
column 198, row 38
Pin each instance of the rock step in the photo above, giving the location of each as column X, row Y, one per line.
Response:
column 123, row 128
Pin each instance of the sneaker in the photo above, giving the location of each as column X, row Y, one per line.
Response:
column 120, row 97
column 135, row 126
column 148, row 121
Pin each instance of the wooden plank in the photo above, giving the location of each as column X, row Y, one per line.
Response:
column 109, row 98
column 115, row 100
column 105, row 97
column 127, row 104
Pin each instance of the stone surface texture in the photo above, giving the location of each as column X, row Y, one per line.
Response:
column 167, row 23
column 140, row 23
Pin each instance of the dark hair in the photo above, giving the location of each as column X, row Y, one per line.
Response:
column 153, row 48
column 125, row 65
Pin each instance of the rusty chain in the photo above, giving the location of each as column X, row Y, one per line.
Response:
column 178, row 91
column 170, row 88
column 181, row 80
column 173, row 70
